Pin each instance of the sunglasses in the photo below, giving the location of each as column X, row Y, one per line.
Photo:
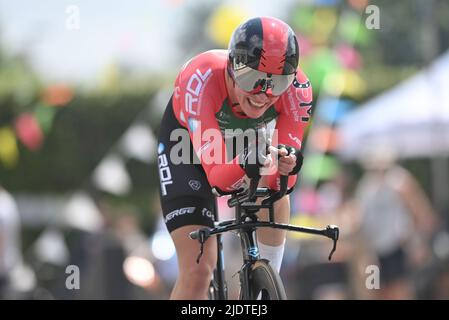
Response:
column 255, row 81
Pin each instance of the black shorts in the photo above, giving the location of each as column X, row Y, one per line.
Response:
column 185, row 193
column 393, row 266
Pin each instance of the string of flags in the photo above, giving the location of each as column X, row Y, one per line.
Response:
column 30, row 128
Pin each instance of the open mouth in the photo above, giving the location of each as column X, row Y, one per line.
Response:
column 255, row 104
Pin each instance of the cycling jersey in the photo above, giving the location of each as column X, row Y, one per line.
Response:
column 200, row 103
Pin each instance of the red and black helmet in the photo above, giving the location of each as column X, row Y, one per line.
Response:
column 263, row 55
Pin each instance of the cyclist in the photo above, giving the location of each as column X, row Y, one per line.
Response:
column 252, row 85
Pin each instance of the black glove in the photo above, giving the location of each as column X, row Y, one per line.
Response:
column 254, row 153
column 297, row 153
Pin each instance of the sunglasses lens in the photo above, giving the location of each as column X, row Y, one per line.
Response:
column 251, row 80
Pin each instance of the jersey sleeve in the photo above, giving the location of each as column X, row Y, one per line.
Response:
column 197, row 98
column 295, row 111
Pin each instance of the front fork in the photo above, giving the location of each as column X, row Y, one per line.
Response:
column 219, row 271
column 248, row 239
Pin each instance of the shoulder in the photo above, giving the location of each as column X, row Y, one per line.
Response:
column 204, row 65
column 200, row 78
column 302, row 87
column 297, row 100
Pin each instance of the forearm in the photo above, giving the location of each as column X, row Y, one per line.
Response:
column 226, row 176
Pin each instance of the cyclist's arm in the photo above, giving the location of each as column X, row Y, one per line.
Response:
column 199, row 94
column 294, row 116
column 208, row 143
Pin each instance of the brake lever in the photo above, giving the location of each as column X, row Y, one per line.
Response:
column 201, row 253
column 333, row 233
column 203, row 235
column 333, row 250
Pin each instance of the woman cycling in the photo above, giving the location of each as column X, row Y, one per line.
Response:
column 218, row 95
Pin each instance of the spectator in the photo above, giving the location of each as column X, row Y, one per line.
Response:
column 393, row 209
column 10, row 254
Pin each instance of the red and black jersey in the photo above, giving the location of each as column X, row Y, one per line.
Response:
column 200, row 104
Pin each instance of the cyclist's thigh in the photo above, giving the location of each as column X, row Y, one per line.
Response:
column 187, row 251
column 185, row 193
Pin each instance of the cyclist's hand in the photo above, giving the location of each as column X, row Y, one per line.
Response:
column 288, row 161
column 254, row 155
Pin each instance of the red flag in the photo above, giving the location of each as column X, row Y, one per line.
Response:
column 57, row 95
column 28, row 131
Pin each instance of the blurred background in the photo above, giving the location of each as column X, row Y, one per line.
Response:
column 83, row 85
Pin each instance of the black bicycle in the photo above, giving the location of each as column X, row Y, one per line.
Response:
column 258, row 280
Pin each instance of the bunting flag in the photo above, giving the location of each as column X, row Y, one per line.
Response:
column 344, row 83
column 320, row 65
column 348, row 56
column 324, row 23
column 57, row 95
column 139, row 142
column 303, row 19
column 28, row 131
column 223, row 23
column 305, row 44
column 351, row 28
column 109, row 78
column 332, row 110
column 325, row 139
column 111, row 176
column 319, row 167
column 44, row 115
column 359, row 5
column 9, row 154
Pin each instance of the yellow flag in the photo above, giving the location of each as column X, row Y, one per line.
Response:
column 223, row 22
column 9, row 154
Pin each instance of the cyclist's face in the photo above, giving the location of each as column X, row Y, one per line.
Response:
column 254, row 105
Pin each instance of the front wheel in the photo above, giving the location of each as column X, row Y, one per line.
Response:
column 265, row 283
column 214, row 290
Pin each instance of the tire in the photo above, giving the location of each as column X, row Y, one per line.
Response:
column 266, row 282
column 212, row 293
